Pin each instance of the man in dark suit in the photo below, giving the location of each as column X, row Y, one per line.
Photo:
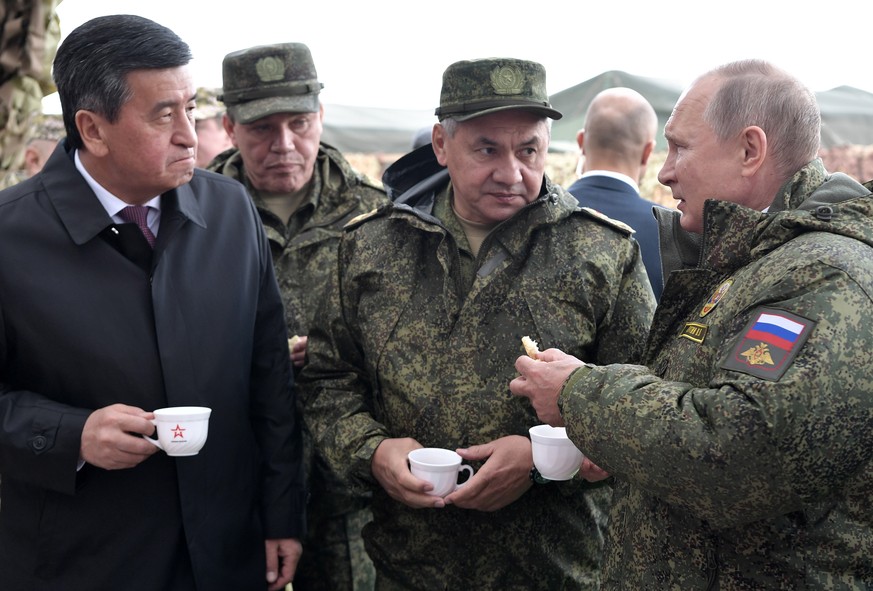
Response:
column 98, row 328
column 616, row 142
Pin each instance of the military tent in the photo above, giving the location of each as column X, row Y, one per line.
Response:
column 846, row 112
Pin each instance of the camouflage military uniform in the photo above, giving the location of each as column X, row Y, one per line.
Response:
column 419, row 339
column 744, row 458
column 304, row 253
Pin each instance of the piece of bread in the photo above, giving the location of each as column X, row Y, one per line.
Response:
column 293, row 341
column 530, row 347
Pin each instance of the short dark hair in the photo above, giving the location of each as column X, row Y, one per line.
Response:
column 91, row 65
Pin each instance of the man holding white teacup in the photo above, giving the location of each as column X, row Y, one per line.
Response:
column 419, row 331
column 132, row 282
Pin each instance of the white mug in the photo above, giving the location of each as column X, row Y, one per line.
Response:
column 181, row 430
column 554, row 455
column 440, row 467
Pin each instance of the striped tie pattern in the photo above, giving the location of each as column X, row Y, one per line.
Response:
column 138, row 214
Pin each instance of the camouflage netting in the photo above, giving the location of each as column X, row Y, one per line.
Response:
column 29, row 36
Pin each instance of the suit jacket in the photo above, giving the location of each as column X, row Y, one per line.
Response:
column 619, row 201
column 86, row 321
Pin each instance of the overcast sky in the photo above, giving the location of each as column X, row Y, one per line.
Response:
column 392, row 53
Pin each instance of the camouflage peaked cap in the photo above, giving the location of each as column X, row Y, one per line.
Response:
column 473, row 88
column 48, row 127
column 268, row 79
column 207, row 104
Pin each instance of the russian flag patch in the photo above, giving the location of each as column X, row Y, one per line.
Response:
column 769, row 343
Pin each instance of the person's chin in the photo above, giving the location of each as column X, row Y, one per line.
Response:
column 690, row 223
column 281, row 186
column 182, row 172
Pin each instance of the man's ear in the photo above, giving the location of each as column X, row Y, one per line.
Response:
column 647, row 152
column 32, row 158
column 90, row 126
column 229, row 129
column 438, row 140
column 580, row 139
column 754, row 145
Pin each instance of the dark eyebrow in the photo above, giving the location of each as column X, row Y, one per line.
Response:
column 168, row 105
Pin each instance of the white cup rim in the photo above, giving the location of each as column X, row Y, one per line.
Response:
column 423, row 456
column 547, row 432
column 183, row 412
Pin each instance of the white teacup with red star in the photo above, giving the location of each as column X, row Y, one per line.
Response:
column 181, row 430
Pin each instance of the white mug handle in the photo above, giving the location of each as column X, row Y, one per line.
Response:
column 154, row 442
column 464, row 468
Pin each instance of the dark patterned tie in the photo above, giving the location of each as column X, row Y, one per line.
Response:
column 138, row 214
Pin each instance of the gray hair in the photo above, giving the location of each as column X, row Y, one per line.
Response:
column 755, row 92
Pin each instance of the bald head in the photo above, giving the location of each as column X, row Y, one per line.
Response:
column 619, row 132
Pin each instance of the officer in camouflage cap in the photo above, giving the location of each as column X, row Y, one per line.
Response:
column 418, row 335
column 269, row 79
column 508, row 84
column 743, row 451
column 305, row 192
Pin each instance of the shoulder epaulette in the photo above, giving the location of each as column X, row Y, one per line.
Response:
column 617, row 224
column 359, row 219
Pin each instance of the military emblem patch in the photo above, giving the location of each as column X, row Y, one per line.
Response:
column 694, row 331
column 507, row 80
column 716, row 297
column 769, row 343
column 270, row 69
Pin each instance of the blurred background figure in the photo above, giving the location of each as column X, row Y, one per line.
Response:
column 616, row 143
column 212, row 139
column 48, row 130
column 42, row 135
column 29, row 36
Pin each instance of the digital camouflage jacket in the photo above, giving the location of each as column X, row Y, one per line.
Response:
column 304, row 254
column 744, row 457
column 419, row 339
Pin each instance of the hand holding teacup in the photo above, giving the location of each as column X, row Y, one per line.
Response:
column 440, row 467
column 181, row 430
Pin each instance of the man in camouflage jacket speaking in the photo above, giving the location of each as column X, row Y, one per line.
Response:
column 743, row 451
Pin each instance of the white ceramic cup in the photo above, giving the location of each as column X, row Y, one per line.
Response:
column 554, row 455
column 181, row 430
column 440, row 467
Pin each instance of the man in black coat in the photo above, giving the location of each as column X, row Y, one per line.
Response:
column 98, row 328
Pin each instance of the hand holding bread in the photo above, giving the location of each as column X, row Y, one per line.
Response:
column 530, row 347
